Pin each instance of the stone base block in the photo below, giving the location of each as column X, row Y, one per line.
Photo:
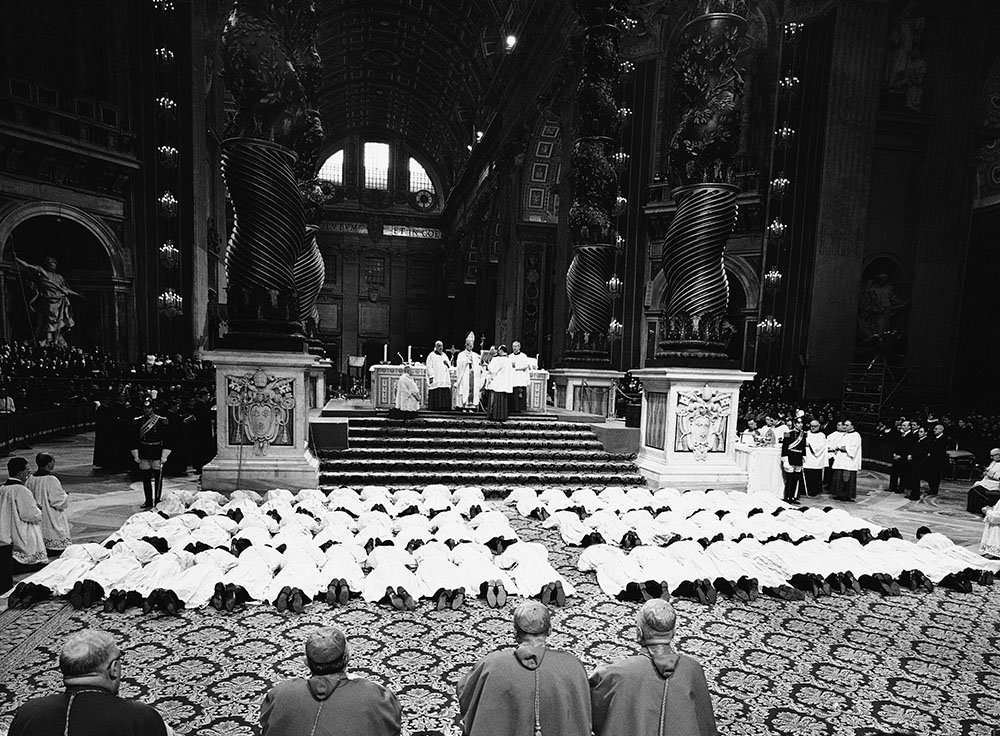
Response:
column 260, row 474
column 688, row 427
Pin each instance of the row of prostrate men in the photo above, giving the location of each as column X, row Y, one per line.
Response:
column 531, row 688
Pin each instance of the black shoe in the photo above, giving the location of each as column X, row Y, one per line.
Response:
column 711, row 595
column 121, row 601
column 281, row 602
column 954, row 582
column 441, row 599
column 343, row 592
column 172, row 605
column 409, row 603
column 489, row 592
column 750, row 586
column 297, row 601
column 394, row 599
column 836, row 584
column 630, row 540
column 646, row 592
column 501, row 595
column 986, row 578
column 92, row 593
column 333, row 592
column 15, row 597
column 558, row 594
column 218, row 597
column 908, row 580
column 851, row 582
column 546, row 595
column 457, row 599
column 229, row 601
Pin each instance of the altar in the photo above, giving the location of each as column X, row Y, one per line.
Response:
column 763, row 469
column 384, row 378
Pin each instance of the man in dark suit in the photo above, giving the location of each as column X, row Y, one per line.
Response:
column 902, row 451
column 937, row 458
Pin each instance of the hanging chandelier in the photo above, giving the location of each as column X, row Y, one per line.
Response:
column 779, row 186
column 768, row 329
column 615, row 286
column 167, row 155
column 171, row 304
column 615, row 330
column 168, row 205
column 169, row 255
column 772, row 279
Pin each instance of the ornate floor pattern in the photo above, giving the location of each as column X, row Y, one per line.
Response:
column 916, row 664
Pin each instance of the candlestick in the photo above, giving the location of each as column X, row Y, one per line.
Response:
column 385, row 353
column 409, row 356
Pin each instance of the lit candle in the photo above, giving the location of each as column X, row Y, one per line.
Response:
column 385, row 353
column 409, row 356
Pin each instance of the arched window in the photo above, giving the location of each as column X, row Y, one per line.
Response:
column 418, row 177
column 332, row 169
column 376, row 165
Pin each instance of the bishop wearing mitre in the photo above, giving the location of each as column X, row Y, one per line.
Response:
column 468, row 376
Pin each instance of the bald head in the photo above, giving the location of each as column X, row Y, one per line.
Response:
column 531, row 618
column 326, row 651
column 656, row 621
column 91, row 656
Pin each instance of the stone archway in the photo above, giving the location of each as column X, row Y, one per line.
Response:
column 90, row 257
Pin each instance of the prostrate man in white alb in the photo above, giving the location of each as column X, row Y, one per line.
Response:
column 521, row 364
column 438, row 379
column 468, row 376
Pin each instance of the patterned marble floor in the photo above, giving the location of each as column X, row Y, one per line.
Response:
column 916, row 664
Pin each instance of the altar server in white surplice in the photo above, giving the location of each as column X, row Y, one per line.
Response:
column 438, row 379
column 468, row 376
column 52, row 500
column 521, row 364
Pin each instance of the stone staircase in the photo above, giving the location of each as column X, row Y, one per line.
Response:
column 460, row 449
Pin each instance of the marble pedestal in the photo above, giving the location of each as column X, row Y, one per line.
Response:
column 688, row 428
column 316, row 386
column 586, row 391
column 263, row 417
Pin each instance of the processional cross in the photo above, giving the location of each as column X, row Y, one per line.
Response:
column 451, row 352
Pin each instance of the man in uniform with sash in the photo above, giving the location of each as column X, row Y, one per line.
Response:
column 150, row 449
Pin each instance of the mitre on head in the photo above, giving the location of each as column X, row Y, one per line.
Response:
column 470, row 339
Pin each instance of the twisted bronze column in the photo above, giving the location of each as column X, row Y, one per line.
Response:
column 267, row 239
column 709, row 84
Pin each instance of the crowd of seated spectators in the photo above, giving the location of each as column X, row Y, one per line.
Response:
column 34, row 376
column 774, row 397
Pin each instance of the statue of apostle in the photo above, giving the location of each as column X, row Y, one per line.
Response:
column 469, row 376
column 51, row 301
